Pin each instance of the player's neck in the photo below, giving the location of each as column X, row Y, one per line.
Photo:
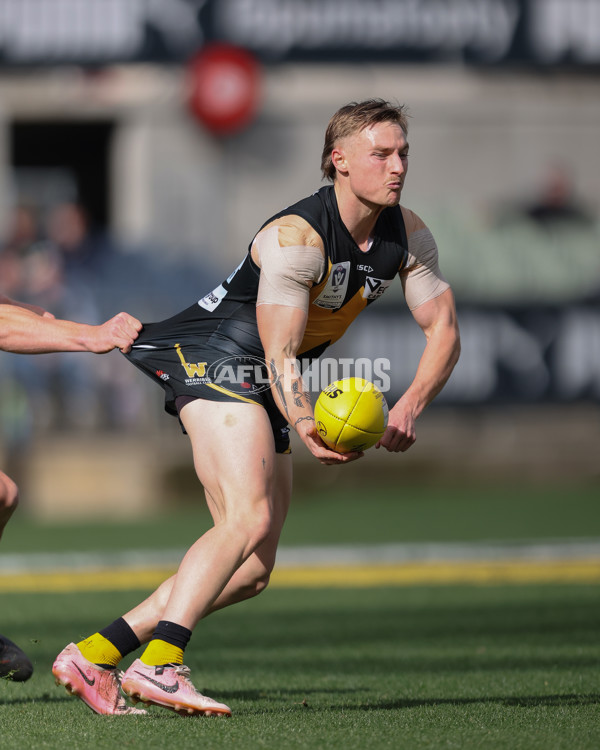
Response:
column 358, row 216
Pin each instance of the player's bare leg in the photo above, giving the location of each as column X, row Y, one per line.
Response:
column 235, row 461
column 253, row 575
column 249, row 579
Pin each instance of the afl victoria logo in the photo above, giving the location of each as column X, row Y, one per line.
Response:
column 338, row 276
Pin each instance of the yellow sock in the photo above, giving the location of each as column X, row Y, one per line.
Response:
column 99, row 650
column 160, row 652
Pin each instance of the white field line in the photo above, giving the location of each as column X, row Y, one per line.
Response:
column 318, row 556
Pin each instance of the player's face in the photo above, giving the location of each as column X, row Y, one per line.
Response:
column 375, row 161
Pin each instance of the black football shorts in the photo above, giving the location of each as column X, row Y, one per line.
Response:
column 189, row 367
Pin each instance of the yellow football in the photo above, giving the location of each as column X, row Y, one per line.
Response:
column 351, row 415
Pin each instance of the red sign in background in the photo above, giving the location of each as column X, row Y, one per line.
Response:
column 224, row 88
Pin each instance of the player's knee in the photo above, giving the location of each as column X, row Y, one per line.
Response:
column 261, row 573
column 256, row 580
column 258, row 585
column 261, row 583
column 9, row 495
column 256, row 523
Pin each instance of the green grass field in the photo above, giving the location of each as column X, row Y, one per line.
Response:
column 438, row 667
column 371, row 514
column 513, row 667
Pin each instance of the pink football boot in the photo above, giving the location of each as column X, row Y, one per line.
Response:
column 171, row 687
column 98, row 687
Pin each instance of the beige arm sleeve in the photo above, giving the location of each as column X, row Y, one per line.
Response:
column 286, row 273
column 422, row 279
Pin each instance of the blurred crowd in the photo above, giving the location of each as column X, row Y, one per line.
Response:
column 556, row 202
column 59, row 261
column 538, row 247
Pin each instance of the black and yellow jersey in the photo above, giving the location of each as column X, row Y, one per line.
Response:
column 180, row 352
column 224, row 320
column 352, row 279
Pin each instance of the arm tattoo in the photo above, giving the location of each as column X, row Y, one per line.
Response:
column 297, row 394
column 302, row 419
column 279, row 387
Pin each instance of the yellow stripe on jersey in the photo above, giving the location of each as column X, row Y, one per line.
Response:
column 325, row 325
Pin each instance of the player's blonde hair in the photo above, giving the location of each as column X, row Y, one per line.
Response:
column 354, row 117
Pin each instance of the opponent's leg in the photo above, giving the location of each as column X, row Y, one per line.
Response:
column 14, row 663
column 9, row 499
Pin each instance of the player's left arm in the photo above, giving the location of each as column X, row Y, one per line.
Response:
column 431, row 302
column 437, row 319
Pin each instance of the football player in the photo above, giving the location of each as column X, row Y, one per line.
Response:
column 309, row 271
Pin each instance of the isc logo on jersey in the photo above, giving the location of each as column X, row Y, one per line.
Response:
column 375, row 287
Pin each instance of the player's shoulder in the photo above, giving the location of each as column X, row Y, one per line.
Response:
column 412, row 221
column 295, row 230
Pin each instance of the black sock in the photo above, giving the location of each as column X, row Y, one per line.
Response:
column 121, row 636
column 172, row 633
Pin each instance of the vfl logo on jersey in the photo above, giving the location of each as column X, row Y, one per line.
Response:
column 213, row 299
column 196, row 372
column 374, row 288
column 334, row 292
column 338, row 275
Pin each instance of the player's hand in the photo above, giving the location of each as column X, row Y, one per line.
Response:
column 400, row 432
column 117, row 333
column 312, row 440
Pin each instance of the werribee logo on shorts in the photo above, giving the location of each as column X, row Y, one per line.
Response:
column 195, row 371
column 241, row 375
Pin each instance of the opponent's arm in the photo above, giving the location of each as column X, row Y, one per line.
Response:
column 437, row 318
column 26, row 329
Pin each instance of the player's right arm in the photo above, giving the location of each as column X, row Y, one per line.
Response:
column 291, row 258
column 27, row 329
